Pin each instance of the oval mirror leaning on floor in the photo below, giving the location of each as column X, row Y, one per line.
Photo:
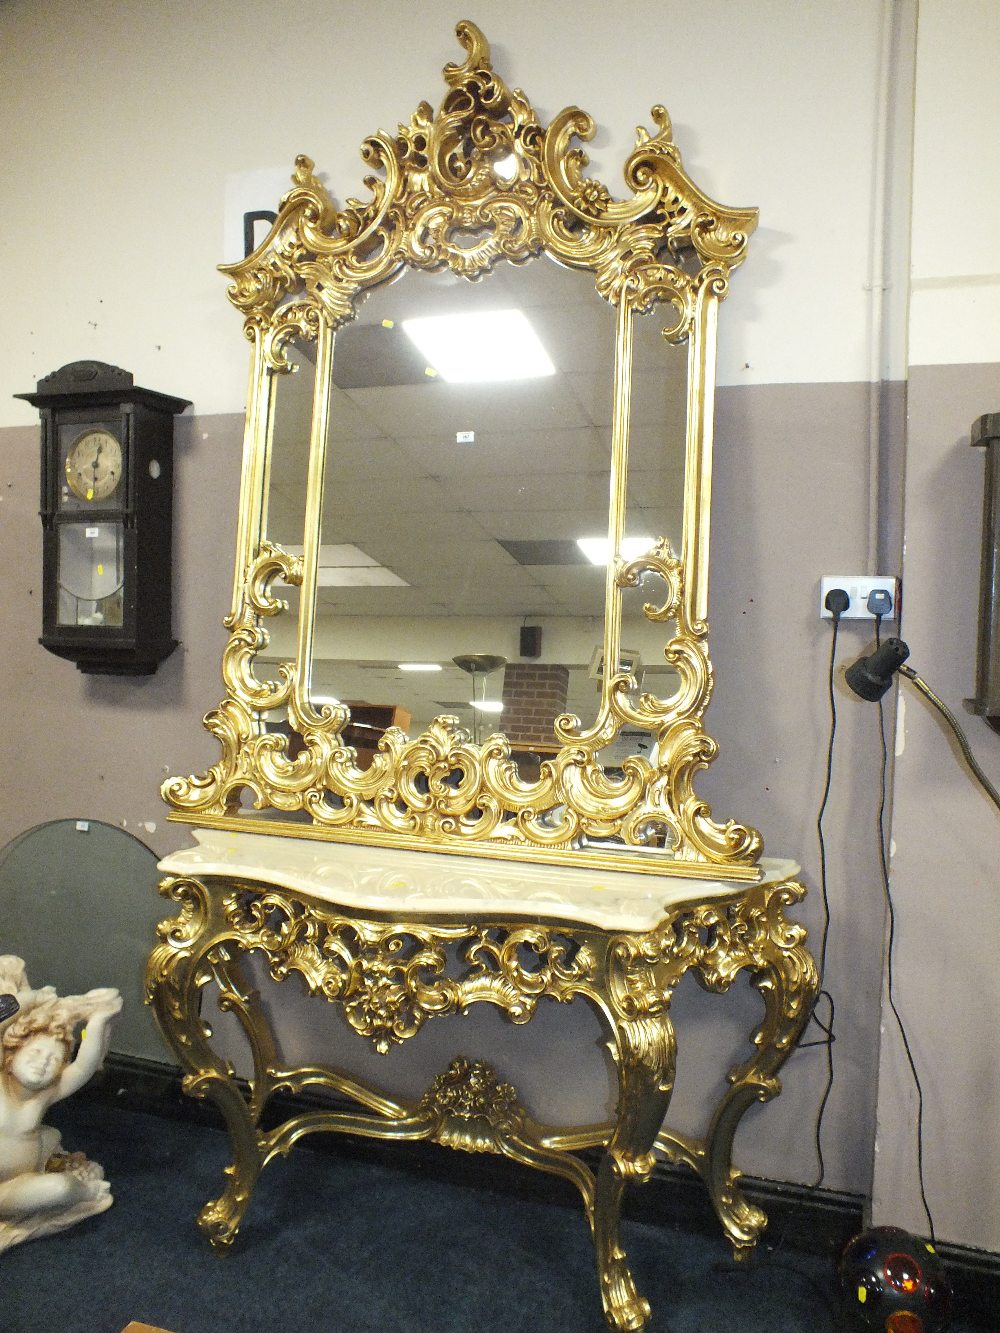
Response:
column 447, row 499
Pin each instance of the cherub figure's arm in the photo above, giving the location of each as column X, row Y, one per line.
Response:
column 13, row 976
column 14, row 981
column 98, row 1008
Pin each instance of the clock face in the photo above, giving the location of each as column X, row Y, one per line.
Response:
column 94, row 464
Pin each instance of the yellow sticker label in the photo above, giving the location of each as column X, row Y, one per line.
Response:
column 388, row 323
column 90, row 493
column 100, row 571
column 862, row 1294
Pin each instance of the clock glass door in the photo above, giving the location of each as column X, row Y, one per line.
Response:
column 91, row 573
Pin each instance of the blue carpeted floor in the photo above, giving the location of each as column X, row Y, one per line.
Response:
column 337, row 1244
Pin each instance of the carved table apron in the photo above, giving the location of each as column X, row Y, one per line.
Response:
column 396, row 938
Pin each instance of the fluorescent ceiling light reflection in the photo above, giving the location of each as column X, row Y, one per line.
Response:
column 420, row 666
column 487, row 705
column 492, row 345
column 598, row 550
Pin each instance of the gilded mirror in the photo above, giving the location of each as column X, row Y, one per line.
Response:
column 470, row 599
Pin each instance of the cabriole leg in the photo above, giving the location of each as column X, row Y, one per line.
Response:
column 646, row 1053
column 189, row 957
column 784, row 972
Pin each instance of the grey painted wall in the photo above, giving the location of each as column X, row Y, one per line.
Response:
column 100, row 746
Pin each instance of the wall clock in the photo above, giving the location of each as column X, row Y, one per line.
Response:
column 106, row 508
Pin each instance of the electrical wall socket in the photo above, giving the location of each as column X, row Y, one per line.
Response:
column 857, row 587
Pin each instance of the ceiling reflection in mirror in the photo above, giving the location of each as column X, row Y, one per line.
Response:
column 514, row 468
column 470, row 598
column 282, row 519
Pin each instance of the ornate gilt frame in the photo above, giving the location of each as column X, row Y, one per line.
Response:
column 437, row 201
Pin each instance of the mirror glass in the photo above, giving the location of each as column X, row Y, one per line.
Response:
column 654, row 509
column 283, row 494
column 467, row 501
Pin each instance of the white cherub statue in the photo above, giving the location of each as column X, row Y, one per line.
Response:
column 42, row 1188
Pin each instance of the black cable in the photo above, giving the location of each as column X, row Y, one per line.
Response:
column 826, row 1028
column 819, row 1290
column 837, row 606
column 891, row 907
column 826, row 797
column 884, row 865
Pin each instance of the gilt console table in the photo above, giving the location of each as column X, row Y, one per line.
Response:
column 396, row 938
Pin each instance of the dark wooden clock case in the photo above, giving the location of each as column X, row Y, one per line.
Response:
column 79, row 394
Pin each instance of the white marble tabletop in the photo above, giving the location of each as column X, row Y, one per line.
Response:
column 418, row 884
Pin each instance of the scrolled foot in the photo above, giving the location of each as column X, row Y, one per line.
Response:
column 742, row 1221
column 218, row 1224
column 624, row 1309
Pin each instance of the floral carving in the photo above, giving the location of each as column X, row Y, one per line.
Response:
column 466, row 1093
column 391, row 978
